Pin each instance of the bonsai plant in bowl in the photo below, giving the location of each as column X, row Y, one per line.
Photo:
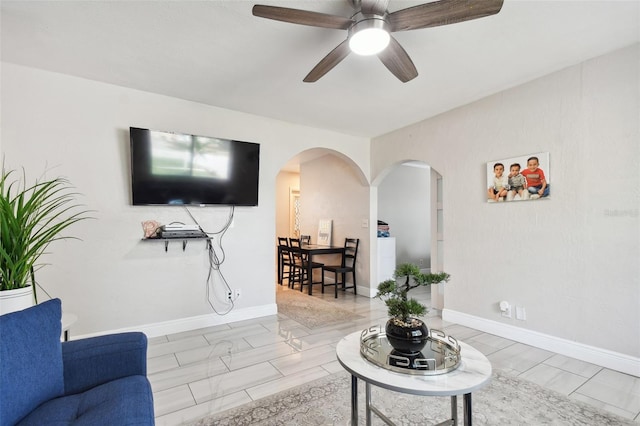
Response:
column 31, row 217
column 405, row 331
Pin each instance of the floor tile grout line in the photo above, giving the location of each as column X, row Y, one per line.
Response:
column 369, row 310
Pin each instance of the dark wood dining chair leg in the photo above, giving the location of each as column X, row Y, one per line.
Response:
column 280, row 267
column 303, row 272
column 297, row 277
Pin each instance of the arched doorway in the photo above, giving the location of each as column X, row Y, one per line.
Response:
column 320, row 184
column 410, row 201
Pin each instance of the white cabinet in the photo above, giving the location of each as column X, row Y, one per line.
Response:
column 386, row 258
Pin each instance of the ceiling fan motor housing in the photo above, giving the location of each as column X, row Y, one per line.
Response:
column 369, row 34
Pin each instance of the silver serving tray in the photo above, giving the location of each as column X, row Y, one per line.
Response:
column 440, row 355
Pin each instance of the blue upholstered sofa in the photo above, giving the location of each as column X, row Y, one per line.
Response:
column 95, row 381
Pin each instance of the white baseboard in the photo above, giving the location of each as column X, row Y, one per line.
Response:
column 194, row 323
column 599, row 356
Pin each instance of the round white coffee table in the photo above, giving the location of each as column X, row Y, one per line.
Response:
column 473, row 373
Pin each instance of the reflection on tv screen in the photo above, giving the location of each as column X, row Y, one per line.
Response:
column 188, row 155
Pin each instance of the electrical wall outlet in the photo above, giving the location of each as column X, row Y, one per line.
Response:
column 521, row 313
column 507, row 312
column 505, row 309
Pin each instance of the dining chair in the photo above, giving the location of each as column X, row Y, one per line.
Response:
column 287, row 265
column 347, row 266
column 304, row 240
column 301, row 261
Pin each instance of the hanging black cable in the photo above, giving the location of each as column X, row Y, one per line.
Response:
column 215, row 262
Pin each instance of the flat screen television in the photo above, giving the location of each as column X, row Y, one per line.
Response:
column 180, row 169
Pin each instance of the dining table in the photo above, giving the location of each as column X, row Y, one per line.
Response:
column 311, row 250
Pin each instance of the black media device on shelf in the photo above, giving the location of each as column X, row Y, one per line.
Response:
column 180, row 169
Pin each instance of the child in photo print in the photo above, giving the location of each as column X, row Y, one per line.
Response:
column 527, row 178
column 517, row 183
column 498, row 191
column 537, row 185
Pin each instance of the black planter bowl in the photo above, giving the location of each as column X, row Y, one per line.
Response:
column 407, row 340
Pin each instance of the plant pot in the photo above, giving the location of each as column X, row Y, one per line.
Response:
column 16, row 299
column 407, row 340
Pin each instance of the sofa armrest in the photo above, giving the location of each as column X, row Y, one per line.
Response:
column 96, row 360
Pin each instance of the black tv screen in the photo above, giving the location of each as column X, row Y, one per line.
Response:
column 180, row 169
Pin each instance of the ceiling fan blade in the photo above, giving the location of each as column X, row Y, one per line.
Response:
column 442, row 12
column 396, row 59
column 328, row 62
column 302, row 17
column 374, row 7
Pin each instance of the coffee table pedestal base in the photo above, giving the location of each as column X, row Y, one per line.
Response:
column 370, row 408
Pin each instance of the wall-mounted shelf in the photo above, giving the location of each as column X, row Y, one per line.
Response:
column 183, row 239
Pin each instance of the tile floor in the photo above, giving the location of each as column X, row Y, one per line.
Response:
column 205, row 371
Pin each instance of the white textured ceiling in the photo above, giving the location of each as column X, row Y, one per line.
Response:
column 217, row 53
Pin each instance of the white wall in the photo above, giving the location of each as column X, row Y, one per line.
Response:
column 111, row 279
column 571, row 260
column 578, row 279
column 403, row 202
column 285, row 182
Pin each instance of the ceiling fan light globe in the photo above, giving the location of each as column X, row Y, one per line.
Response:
column 369, row 41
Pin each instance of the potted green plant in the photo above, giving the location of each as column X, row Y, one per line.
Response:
column 31, row 217
column 405, row 332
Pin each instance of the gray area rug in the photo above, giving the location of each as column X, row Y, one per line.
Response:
column 310, row 311
column 507, row 400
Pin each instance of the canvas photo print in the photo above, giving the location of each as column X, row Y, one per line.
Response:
column 523, row 178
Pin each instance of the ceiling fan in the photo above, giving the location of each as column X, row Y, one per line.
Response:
column 372, row 23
